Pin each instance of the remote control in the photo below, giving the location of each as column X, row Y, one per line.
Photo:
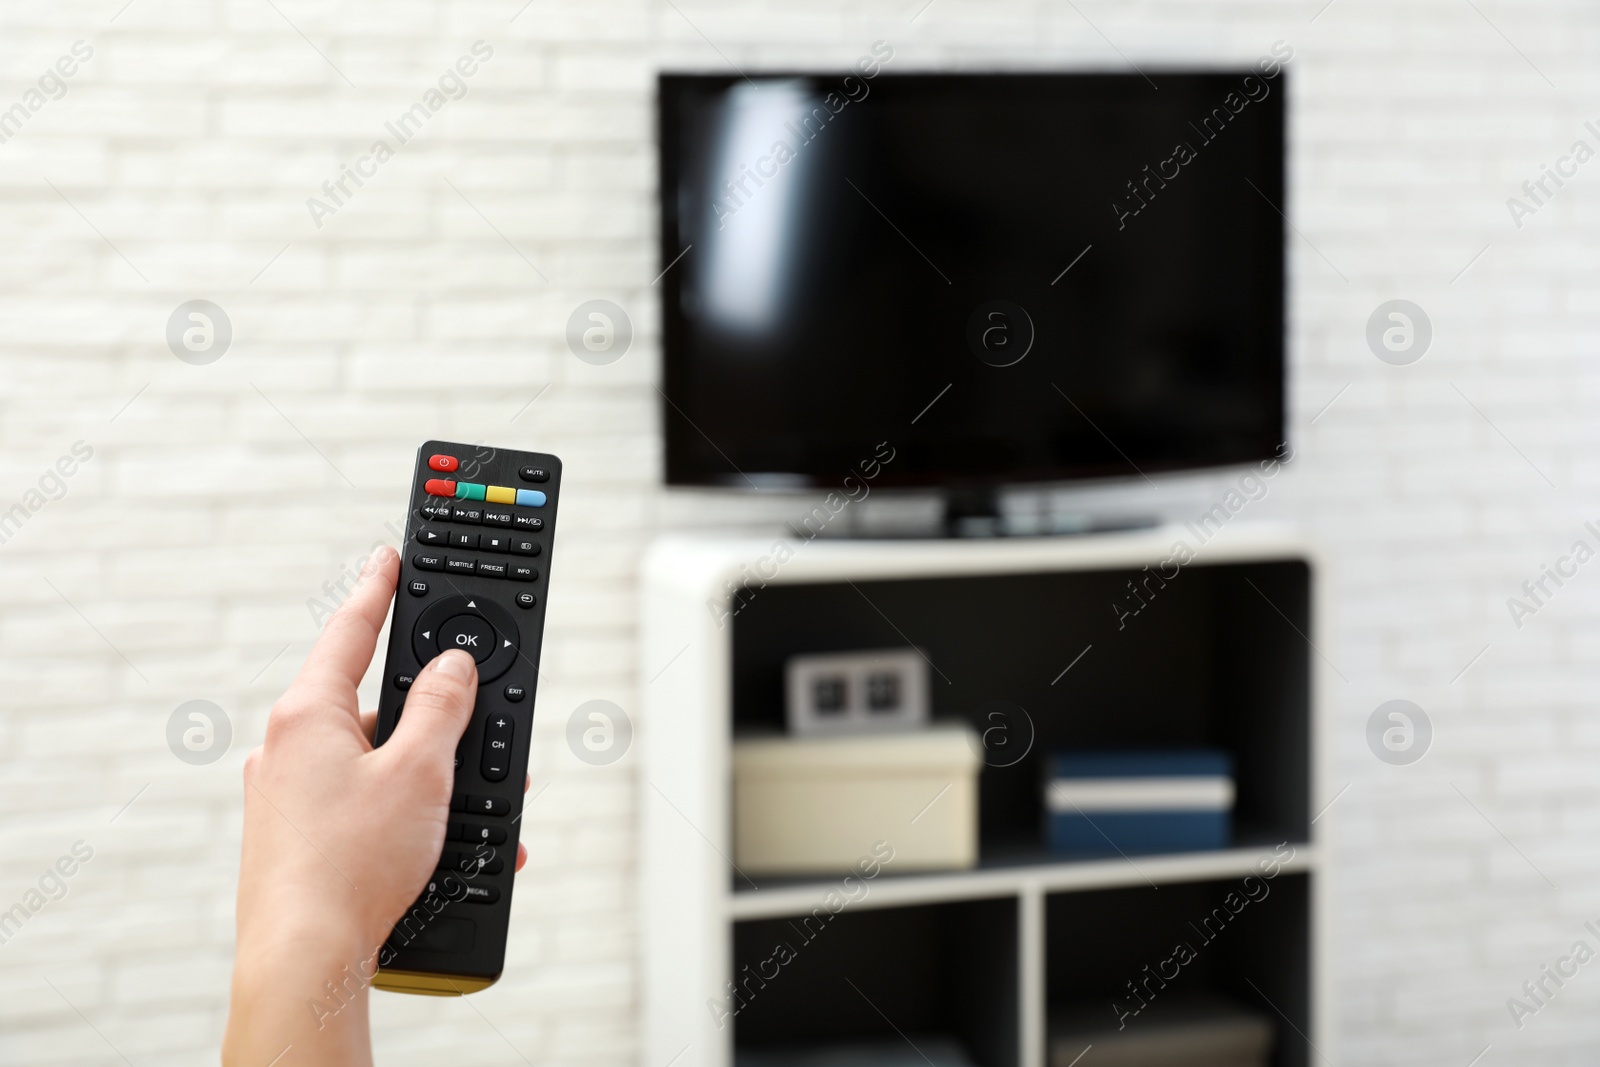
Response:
column 473, row 574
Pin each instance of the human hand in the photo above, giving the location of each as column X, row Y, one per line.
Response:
column 339, row 837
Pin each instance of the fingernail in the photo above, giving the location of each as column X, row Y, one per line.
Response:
column 456, row 664
column 379, row 557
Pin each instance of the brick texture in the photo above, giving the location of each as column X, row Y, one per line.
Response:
column 219, row 499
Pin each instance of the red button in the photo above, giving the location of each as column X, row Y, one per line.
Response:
column 443, row 463
column 440, row 487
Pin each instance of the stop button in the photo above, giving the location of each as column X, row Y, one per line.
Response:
column 470, row 633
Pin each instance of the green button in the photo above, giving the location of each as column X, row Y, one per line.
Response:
column 469, row 491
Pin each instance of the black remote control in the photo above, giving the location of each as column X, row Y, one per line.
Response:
column 473, row 574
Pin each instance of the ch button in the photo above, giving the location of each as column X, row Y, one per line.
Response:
column 497, row 747
column 470, row 633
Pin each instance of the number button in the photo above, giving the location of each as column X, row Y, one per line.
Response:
column 488, row 805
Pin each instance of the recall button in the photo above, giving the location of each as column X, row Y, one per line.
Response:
column 470, row 633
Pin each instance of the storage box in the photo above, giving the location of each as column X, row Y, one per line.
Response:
column 819, row 805
column 1159, row 800
column 1198, row 1030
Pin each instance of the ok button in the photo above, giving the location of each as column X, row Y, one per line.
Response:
column 469, row 633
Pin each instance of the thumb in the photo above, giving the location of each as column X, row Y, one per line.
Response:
column 437, row 708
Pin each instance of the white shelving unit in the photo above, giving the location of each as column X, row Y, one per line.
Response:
column 691, row 897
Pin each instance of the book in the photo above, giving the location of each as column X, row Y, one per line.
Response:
column 1133, row 801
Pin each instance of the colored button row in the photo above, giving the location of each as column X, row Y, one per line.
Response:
column 493, row 494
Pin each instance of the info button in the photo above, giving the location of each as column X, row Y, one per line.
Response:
column 470, row 633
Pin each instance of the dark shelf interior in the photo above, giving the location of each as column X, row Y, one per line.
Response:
column 1217, row 657
column 1259, row 955
column 947, row 969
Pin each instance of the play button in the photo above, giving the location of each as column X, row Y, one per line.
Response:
column 470, row 633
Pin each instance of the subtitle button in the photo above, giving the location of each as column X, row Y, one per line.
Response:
column 497, row 748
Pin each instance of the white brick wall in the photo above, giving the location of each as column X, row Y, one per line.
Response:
column 185, row 550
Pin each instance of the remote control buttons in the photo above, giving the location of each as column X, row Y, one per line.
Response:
column 470, row 516
column 403, row 682
column 530, row 498
column 488, row 805
column 434, row 510
column 523, row 572
column 463, row 539
column 428, row 561
column 515, row 693
column 497, row 517
column 418, row 588
column 531, row 523
column 431, row 535
column 534, row 474
column 523, row 545
column 491, row 568
column 440, row 487
column 460, row 566
column 526, row 600
column 499, row 494
column 443, row 463
column 473, row 624
column 497, row 733
column 478, row 894
column 469, row 491
column 496, row 542
column 470, row 633
column 488, row 835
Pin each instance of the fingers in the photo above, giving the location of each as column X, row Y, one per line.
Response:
column 522, row 855
column 369, row 724
column 343, row 651
column 437, row 708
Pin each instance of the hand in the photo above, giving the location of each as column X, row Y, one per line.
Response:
column 339, row 838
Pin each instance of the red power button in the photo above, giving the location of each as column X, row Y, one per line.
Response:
column 439, row 487
column 443, row 463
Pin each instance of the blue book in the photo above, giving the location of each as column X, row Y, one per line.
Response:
column 1140, row 801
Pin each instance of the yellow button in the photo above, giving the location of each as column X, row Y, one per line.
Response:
column 499, row 494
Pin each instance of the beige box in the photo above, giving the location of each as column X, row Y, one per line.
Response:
column 817, row 805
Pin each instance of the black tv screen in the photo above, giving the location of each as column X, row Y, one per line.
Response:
column 1006, row 278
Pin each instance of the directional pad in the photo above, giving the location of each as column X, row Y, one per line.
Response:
column 472, row 624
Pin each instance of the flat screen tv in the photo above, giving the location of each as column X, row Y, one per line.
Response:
column 1005, row 278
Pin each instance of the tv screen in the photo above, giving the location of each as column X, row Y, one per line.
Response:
column 1005, row 278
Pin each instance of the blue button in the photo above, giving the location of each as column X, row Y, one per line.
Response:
column 530, row 498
